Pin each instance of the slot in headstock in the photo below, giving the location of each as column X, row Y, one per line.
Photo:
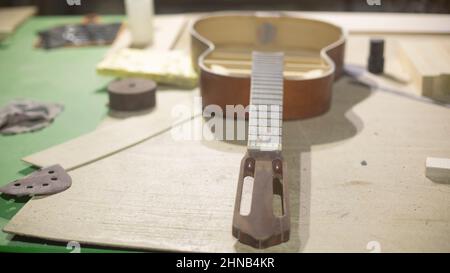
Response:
column 262, row 227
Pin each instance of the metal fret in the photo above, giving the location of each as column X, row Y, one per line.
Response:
column 266, row 101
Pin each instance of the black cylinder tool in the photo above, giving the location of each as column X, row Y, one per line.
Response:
column 132, row 94
column 375, row 63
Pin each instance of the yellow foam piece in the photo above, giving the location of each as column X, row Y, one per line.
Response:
column 167, row 67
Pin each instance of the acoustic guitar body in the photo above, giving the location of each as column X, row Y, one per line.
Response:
column 221, row 47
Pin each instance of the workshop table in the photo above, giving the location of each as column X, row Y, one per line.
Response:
column 68, row 76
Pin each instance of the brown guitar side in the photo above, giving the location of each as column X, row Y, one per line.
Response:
column 304, row 97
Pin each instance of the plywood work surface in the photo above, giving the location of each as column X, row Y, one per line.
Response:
column 353, row 179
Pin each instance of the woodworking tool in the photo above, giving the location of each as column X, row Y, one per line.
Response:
column 50, row 180
column 132, row 94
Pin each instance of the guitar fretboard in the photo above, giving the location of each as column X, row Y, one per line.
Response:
column 266, row 102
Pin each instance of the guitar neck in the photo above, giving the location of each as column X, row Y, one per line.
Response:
column 266, row 102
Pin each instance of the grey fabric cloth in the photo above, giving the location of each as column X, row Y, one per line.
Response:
column 25, row 115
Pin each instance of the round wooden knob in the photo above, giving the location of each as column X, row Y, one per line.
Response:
column 132, row 94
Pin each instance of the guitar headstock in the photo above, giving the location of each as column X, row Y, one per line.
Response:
column 264, row 223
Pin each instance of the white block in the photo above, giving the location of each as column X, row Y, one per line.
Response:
column 438, row 169
column 140, row 21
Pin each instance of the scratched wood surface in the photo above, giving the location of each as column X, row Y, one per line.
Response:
column 356, row 175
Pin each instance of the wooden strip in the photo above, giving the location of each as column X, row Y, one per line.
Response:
column 11, row 18
column 428, row 64
column 288, row 73
column 374, row 22
column 110, row 139
column 247, row 64
column 223, row 53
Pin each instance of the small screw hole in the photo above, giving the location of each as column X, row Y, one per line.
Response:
column 51, row 172
column 29, row 187
column 17, row 184
column 45, row 184
column 54, row 178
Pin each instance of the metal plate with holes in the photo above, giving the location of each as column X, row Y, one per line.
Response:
column 45, row 181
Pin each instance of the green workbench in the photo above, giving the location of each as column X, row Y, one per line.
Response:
column 66, row 76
